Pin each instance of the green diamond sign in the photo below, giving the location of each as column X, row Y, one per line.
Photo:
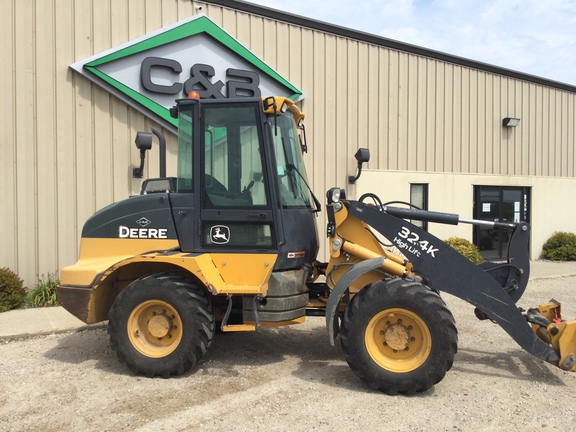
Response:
column 151, row 72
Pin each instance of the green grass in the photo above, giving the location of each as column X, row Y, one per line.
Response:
column 44, row 293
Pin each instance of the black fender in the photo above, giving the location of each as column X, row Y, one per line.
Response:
column 340, row 288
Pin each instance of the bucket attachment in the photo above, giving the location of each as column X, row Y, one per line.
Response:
column 547, row 323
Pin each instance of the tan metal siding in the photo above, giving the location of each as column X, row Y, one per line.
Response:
column 68, row 147
column 8, row 182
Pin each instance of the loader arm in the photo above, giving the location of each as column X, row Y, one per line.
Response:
column 492, row 289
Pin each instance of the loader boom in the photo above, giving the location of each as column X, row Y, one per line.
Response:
column 492, row 288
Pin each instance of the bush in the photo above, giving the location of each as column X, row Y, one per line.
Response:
column 560, row 247
column 12, row 291
column 44, row 293
column 466, row 248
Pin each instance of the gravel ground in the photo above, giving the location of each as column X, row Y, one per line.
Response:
column 286, row 379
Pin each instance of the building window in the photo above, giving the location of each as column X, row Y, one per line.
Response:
column 419, row 198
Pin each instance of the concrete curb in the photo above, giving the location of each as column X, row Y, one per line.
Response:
column 26, row 323
column 40, row 333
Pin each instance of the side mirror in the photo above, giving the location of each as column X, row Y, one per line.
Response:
column 362, row 156
column 143, row 142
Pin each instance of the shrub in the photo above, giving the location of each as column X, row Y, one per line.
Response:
column 560, row 247
column 466, row 248
column 12, row 291
column 44, row 293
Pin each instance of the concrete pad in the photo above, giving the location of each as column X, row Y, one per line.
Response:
column 38, row 321
column 552, row 269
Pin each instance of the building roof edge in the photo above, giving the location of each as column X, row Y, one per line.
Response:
column 384, row 42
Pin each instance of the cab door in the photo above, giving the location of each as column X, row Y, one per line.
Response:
column 235, row 204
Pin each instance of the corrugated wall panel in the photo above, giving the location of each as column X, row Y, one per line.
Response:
column 373, row 118
column 570, row 137
column 347, row 83
column 25, row 138
column 393, row 112
column 380, row 157
column 45, row 107
column 439, row 126
column 66, row 220
column 325, row 51
column 530, row 131
column 68, row 145
column 8, row 161
column 318, row 95
column 339, row 114
column 516, row 163
column 361, row 124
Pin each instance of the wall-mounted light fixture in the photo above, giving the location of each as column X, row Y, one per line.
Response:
column 510, row 122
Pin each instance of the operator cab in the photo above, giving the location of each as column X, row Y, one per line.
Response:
column 241, row 183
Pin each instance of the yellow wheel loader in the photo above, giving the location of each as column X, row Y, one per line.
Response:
column 231, row 243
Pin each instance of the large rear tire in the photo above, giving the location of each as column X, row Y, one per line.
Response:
column 161, row 324
column 399, row 337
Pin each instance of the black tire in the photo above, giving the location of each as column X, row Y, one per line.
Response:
column 399, row 337
column 161, row 325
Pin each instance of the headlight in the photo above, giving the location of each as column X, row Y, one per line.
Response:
column 333, row 195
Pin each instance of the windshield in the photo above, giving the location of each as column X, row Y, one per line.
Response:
column 290, row 165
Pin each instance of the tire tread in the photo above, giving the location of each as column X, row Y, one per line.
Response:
column 388, row 293
column 190, row 298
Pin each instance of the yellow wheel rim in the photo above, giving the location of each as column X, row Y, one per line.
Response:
column 398, row 340
column 155, row 328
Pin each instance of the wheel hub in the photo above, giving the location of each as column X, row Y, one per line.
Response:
column 397, row 337
column 159, row 326
column 398, row 340
column 155, row 328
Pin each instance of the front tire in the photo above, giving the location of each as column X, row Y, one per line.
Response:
column 161, row 324
column 399, row 337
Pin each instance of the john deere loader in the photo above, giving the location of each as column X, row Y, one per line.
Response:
column 230, row 243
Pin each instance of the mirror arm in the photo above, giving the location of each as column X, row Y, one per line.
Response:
column 352, row 179
column 162, row 148
column 139, row 172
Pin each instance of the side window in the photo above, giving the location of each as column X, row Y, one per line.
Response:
column 184, row 179
column 232, row 159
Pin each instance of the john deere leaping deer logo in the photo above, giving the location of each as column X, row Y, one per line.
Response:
column 220, row 234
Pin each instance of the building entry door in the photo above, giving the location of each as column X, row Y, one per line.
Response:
column 498, row 204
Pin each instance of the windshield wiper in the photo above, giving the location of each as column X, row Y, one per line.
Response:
column 292, row 167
